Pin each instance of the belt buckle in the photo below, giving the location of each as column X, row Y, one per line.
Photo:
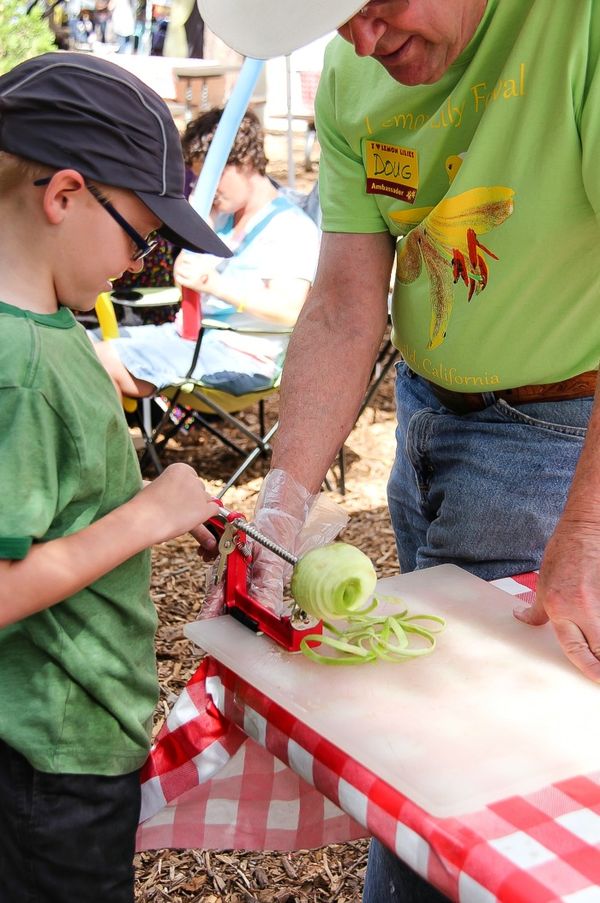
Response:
column 472, row 402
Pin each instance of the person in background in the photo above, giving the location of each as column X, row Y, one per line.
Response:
column 73, row 8
column 123, row 24
column 80, row 194
column 101, row 19
column 87, row 27
column 433, row 120
column 262, row 286
column 159, row 33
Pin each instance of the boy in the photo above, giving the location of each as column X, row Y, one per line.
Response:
column 90, row 164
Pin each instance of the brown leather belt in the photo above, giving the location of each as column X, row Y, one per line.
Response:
column 467, row 402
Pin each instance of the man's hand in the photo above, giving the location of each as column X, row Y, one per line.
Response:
column 309, row 520
column 281, row 510
column 568, row 593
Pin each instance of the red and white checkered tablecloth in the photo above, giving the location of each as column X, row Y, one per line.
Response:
column 233, row 770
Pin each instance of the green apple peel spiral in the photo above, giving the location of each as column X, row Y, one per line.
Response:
column 336, row 582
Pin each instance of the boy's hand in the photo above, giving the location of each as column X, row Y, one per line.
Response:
column 176, row 503
column 208, row 546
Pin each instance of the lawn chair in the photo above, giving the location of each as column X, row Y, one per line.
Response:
column 191, row 403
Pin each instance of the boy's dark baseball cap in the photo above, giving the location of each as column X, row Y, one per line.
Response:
column 79, row 111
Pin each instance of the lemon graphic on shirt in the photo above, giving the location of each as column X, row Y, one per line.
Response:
column 446, row 239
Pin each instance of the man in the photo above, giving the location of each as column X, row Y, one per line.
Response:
column 468, row 129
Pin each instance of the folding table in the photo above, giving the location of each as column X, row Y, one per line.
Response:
column 232, row 769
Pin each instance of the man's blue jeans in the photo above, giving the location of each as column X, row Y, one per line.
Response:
column 483, row 491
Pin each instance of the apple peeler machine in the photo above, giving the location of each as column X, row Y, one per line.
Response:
column 232, row 531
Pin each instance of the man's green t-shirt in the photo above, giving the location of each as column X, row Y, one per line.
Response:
column 78, row 681
column 491, row 176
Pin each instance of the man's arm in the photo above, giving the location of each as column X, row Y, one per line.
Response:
column 569, row 584
column 331, row 353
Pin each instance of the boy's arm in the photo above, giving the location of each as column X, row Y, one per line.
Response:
column 52, row 571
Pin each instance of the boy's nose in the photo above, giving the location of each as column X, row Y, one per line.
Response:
column 364, row 32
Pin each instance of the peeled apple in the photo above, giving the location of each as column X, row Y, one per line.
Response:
column 333, row 581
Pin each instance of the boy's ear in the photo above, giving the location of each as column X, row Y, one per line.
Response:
column 60, row 193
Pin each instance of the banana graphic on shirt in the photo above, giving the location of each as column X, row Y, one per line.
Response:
column 446, row 239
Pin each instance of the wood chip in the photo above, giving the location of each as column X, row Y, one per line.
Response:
column 261, row 877
column 288, row 868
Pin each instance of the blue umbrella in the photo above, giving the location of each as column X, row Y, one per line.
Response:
column 203, row 194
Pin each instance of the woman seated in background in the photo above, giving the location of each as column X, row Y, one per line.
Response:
column 262, row 286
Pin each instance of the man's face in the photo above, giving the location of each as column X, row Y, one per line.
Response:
column 416, row 41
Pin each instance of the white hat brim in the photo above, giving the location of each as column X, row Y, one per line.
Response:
column 266, row 28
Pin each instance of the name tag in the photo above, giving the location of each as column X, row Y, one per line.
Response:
column 392, row 170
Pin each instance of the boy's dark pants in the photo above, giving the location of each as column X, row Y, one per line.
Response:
column 65, row 838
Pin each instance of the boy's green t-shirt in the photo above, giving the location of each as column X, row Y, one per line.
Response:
column 78, row 681
column 492, row 176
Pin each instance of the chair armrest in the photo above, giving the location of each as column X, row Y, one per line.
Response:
column 268, row 328
column 147, row 297
column 107, row 318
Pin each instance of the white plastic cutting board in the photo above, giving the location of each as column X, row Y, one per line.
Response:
column 496, row 710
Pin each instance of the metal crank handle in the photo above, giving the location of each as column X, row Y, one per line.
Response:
column 250, row 530
column 257, row 536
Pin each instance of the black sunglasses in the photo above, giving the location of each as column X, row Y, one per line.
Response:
column 144, row 247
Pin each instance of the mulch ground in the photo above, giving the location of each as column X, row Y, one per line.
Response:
column 332, row 874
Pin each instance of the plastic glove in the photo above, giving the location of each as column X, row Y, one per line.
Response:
column 295, row 519
column 214, row 600
column 280, row 512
